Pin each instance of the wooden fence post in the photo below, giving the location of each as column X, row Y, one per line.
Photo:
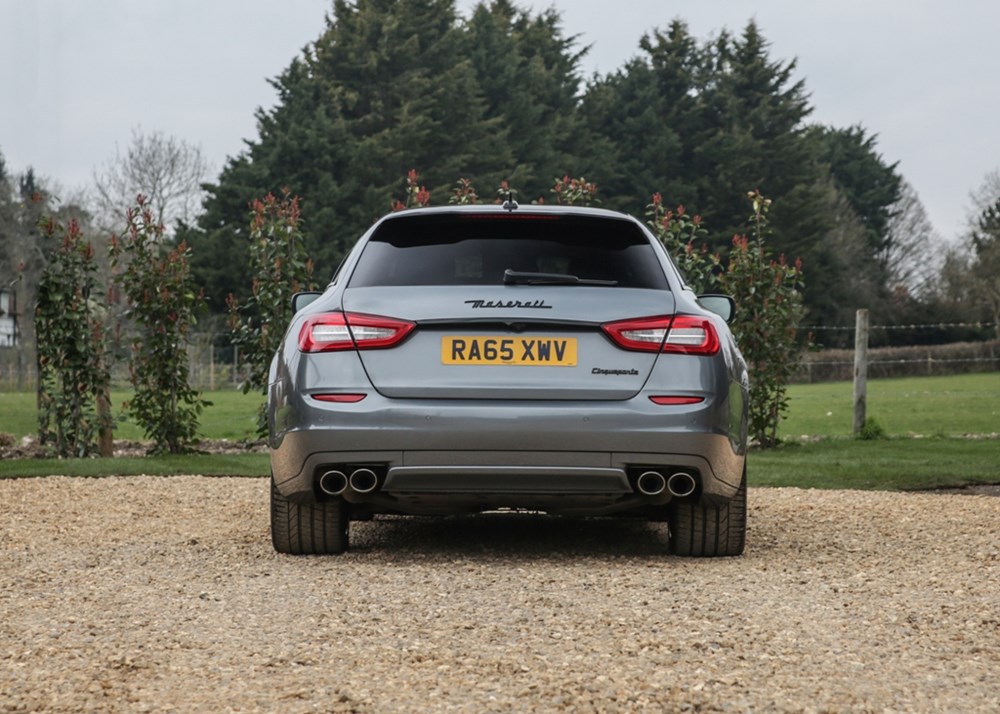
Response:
column 860, row 369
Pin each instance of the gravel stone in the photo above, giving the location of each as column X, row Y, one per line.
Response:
column 163, row 594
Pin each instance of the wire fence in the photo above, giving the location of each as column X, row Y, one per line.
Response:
column 927, row 326
column 901, row 335
column 909, row 361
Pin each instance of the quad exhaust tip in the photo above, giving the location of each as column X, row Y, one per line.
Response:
column 363, row 481
column 679, row 484
column 333, row 483
column 651, row 483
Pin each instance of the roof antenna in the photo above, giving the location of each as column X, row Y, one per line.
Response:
column 508, row 197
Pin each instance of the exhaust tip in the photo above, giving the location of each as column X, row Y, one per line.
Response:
column 363, row 481
column 681, row 484
column 651, row 483
column 333, row 483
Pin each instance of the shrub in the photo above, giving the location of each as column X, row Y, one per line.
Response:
column 464, row 193
column 871, row 431
column 155, row 279
column 417, row 196
column 683, row 237
column 768, row 310
column 280, row 267
column 574, row 191
column 73, row 371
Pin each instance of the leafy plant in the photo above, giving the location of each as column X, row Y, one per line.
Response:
column 464, row 194
column 871, row 431
column 417, row 196
column 73, row 371
column 155, row 279
column 683, row 236
column 505, row 192
column 280, row 268
column 769, row 307
column 575, row 191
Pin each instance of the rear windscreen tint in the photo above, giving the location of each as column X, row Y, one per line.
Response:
column 476, row 249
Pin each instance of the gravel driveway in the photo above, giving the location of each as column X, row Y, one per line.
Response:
column 143, row 594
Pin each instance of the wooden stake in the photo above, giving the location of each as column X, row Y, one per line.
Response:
column 860, row 370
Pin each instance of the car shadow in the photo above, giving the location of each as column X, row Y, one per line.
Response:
column 515, row 535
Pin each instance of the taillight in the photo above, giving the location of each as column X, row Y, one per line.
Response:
column 692, row 335
column 677, row 334
column 335, row 331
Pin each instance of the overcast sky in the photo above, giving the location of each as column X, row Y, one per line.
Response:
column 76, row 77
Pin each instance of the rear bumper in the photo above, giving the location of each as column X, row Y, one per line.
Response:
column 453, row 455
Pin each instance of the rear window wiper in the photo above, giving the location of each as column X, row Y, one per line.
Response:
column 514, row 277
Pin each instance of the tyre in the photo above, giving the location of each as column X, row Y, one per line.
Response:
column 308, row 528
column 704, row 531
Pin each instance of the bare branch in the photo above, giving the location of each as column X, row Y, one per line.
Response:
column 167, row 170
column 984, row 196
column 912, row 257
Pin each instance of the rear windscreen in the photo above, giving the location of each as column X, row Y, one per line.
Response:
column 474, row 249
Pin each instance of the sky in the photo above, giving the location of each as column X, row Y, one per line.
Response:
column 76, row 77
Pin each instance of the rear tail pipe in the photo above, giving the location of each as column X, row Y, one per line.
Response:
column 681, row 484
column 333, row 483
column 651, row 483
column 363, row 481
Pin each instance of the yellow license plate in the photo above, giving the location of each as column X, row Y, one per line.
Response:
column 517, row 351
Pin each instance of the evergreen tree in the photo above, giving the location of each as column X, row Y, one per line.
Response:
column 870, row 186
column 751, row 136
column 703, row 125
column 395, row 85
column 409, row 97
column 389, row 86
column 528, row 74
column 641, row 123
column 300, row 144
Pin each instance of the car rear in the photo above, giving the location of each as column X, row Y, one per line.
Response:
column 481, row 359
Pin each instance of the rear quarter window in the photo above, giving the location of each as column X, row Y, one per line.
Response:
column 473, row 249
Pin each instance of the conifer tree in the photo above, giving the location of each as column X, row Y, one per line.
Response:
column 751, row 136
column 641, row 123
column 386, row 88
column 528, row 74
column 398, row 85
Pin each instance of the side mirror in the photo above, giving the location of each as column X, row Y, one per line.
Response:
column 722, row 305
column 301, row 300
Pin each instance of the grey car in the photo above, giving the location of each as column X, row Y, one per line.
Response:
column 482, row 358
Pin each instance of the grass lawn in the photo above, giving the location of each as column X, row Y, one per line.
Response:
column 925, row 406
column 232, row 415
column 926, row 419
column 894, row 464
